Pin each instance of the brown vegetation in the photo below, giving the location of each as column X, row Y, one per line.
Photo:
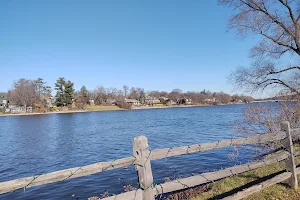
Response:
column 276, row 22
column 33, row 93
column 37, row 94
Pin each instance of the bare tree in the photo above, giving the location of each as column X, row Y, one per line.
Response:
column 126, row 89
column 112, row 93
column 155, row 94
column 82, row 97
column 266, row 118
column 141, row 94
column 99, row 95
column 24, row 92
column 277, row 22
column 223, row 97
column 134, row 94
column 120, row 96
column 176, row 94
column 163, row 94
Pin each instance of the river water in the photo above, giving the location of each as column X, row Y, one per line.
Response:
column 32, row 145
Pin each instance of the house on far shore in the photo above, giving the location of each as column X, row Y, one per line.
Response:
column 3, row 100
column 188, row 101
column 17, row 110
column 53, row 102
column 49, row 102
column 173, row 102
column 151, row 100
column 29, row 109
column 92, row 102
column 110, row 102
column 185, row 101
column 14, row 108
column 133, row 102
column 164, row 100
column 210, row 100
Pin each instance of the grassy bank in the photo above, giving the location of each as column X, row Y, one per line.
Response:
column 231, row 185
column 102, row 108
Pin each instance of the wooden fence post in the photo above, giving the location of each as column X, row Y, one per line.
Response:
column 143, row 166
column 290, row 161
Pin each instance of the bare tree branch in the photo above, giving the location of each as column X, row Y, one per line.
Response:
column 277, row 22
column 265, row 11
column 277, row 41
column 286, row 4
column 284, row 70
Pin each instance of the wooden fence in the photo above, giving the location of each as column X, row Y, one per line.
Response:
column 142, row 158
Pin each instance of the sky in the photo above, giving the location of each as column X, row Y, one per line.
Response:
column 157, row 45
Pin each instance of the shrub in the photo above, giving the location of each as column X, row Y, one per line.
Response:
column 124, row 105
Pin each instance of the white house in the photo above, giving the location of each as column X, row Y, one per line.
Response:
column 133, row 102
column 210, row 100
column 3, row 100
column 151, row 100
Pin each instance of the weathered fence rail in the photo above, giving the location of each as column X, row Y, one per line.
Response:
column 142, row 158
column 200, row 179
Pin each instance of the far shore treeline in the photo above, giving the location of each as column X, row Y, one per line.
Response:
column 42, row 97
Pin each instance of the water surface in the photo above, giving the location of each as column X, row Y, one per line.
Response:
column 32, row 145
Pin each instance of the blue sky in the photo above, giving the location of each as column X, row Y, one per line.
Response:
column 152, row 44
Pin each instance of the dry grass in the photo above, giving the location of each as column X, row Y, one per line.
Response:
column 231, row 184
column 103, row 108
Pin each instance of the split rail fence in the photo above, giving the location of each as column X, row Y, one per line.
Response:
column 142, row 158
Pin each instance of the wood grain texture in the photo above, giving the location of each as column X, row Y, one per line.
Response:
column 143, row 167
column 195, row 148
column 63, row 175
column 290, row 161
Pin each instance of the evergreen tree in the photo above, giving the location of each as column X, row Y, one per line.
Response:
column 60, row 91
column 69, row 93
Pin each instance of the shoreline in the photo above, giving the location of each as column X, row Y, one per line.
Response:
column 59, row 112
column 164, row 107
column 182, row 106
column 111, row 109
